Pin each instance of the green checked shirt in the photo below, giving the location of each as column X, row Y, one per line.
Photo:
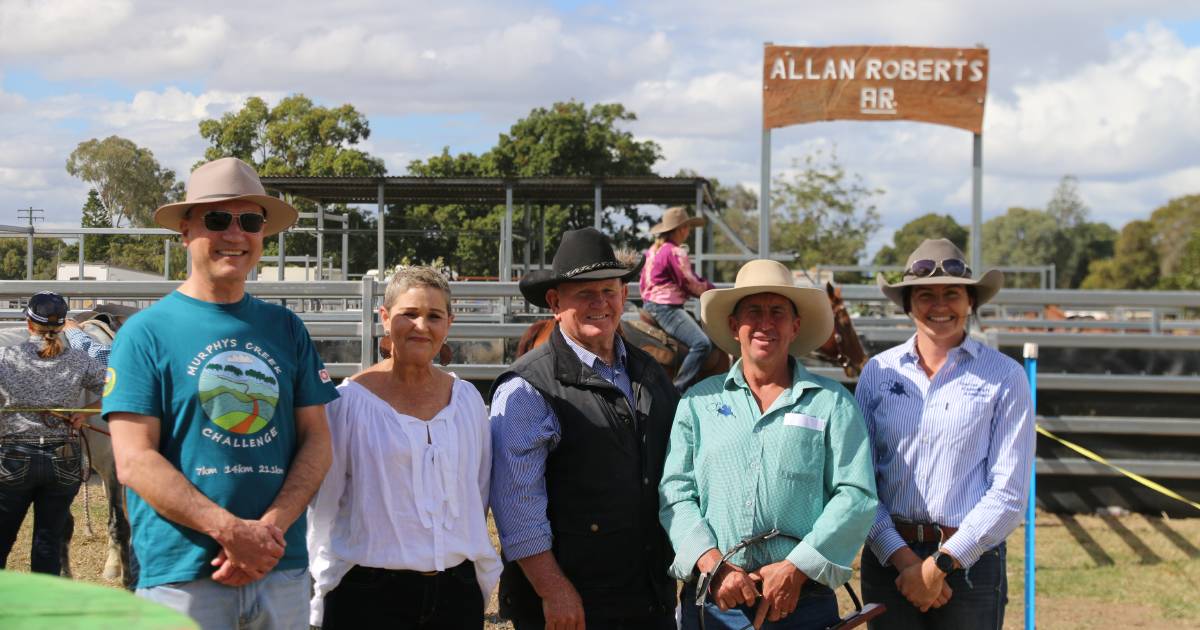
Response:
column 803, row 467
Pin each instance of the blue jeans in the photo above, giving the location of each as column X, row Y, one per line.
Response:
column 46, row 476
column 816, row 609
column 278, row 601
column 676, row 322
column 977, row 602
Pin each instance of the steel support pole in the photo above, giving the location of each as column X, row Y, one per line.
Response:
column 506, row 236
column 379, row 238
column 696, row 260
column 542, row 236
column 598, row 206
column 367, row 355
column 1031, row 360
column 526, row 225
column 977, row 204
column 320, row 240
column 166, row 259
column 282, row 261
column 81, row 265
column 764, row 198
column 29, row 256
column 346, row 248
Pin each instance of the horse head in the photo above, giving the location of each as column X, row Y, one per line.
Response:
column 843, row 347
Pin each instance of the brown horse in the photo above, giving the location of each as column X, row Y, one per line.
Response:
column 843, row 347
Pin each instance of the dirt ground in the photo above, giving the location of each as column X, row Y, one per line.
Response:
column 1131, row 571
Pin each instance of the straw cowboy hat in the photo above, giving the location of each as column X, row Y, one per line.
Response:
column 583, row 255
column 927, row 265
column 227, row 179
column 767, row 276
column 674, row 218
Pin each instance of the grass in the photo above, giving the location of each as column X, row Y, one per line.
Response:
column 1092, row 572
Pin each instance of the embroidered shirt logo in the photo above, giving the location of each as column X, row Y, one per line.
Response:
column 110, row 381
column 895, row 388
column 720, row 409
column 324, row 374
column 238, row 392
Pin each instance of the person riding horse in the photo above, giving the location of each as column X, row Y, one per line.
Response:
column 667, row 281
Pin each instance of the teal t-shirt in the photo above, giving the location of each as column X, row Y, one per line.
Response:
column 224, row 379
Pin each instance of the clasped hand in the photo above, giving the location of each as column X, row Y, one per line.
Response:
column 924, row 585
column 249, row 550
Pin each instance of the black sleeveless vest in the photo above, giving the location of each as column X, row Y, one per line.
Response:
column 601, row 485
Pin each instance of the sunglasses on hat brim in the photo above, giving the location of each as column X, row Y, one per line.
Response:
column 926, row 268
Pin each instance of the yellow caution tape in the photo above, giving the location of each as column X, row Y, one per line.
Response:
column 1132, row 475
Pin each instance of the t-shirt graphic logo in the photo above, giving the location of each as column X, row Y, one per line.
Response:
column 238, row 392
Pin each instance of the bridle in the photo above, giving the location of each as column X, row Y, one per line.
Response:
column 860, row 616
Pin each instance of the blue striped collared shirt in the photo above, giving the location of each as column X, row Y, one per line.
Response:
column 524, row 432
column 954, row 450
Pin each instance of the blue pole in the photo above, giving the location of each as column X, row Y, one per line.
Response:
column 1031, row 357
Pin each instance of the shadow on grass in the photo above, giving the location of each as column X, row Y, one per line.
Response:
column 1086, row 541
column 1161, row 526
column 1145, row 554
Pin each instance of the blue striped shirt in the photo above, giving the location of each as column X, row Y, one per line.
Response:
column 954, row 450
column 524, row 432
column 80, row 340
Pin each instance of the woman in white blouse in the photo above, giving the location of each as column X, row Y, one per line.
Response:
column 398, row 531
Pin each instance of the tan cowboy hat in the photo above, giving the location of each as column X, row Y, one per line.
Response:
column 227, row 179
column 939, row 250
column 676, row 217
column 767, row 276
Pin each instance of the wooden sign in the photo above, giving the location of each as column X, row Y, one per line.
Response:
column 945, row 86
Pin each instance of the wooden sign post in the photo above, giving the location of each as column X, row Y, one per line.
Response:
column 945, row 86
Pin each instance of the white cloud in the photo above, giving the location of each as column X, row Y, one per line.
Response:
column 36, row 27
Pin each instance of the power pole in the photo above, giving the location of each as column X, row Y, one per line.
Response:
column 32, row 214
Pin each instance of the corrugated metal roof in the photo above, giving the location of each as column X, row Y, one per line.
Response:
column 486, row 190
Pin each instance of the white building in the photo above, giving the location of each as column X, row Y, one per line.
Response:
column 103, row 271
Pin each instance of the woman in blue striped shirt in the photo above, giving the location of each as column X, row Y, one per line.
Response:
column 951, row 426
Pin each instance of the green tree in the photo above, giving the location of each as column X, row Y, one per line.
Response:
column 1175, row 224
column 822, row 214
column 128, row 179
column 298, row 137
column 1134, row 265
column 1020, row 237
column 1078, row 241
column 47, row 252
column 910, row 236
column 566, row 139
column 1187, row 274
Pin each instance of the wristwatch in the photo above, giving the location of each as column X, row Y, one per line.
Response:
column 943, row 561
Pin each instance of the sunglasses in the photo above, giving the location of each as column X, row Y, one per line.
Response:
column 925, row 268
column 220, row 220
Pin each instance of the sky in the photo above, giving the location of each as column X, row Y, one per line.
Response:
column 1107, row 90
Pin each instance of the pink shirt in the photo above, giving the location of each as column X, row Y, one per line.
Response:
column 667, row 276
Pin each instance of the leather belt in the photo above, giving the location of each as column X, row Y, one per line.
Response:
column 923, row 532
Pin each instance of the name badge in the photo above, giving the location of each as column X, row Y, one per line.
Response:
column 804, row 421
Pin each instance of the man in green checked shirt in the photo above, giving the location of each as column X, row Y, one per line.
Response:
column 768, row 445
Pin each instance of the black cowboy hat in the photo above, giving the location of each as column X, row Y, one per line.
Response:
column 583, row 255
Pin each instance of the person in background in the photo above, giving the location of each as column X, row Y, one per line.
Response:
column 398, row 532
column 667, row 281
column 951, row 423
column 40, row 455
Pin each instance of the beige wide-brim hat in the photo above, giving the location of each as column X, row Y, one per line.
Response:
column 767, row 276
column 228, row 179
column 676, row 217
column 939, row 249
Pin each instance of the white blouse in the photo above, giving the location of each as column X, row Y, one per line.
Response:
column 402, row 493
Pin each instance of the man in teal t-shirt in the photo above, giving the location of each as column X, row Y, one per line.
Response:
column 216, row 401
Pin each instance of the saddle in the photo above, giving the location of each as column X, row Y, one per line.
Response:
column 669, row 353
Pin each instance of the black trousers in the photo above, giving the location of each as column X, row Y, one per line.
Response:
column 47, row 477
column 978, row 601
column 383, row 598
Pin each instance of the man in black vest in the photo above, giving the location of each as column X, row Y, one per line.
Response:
column 579, row 435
